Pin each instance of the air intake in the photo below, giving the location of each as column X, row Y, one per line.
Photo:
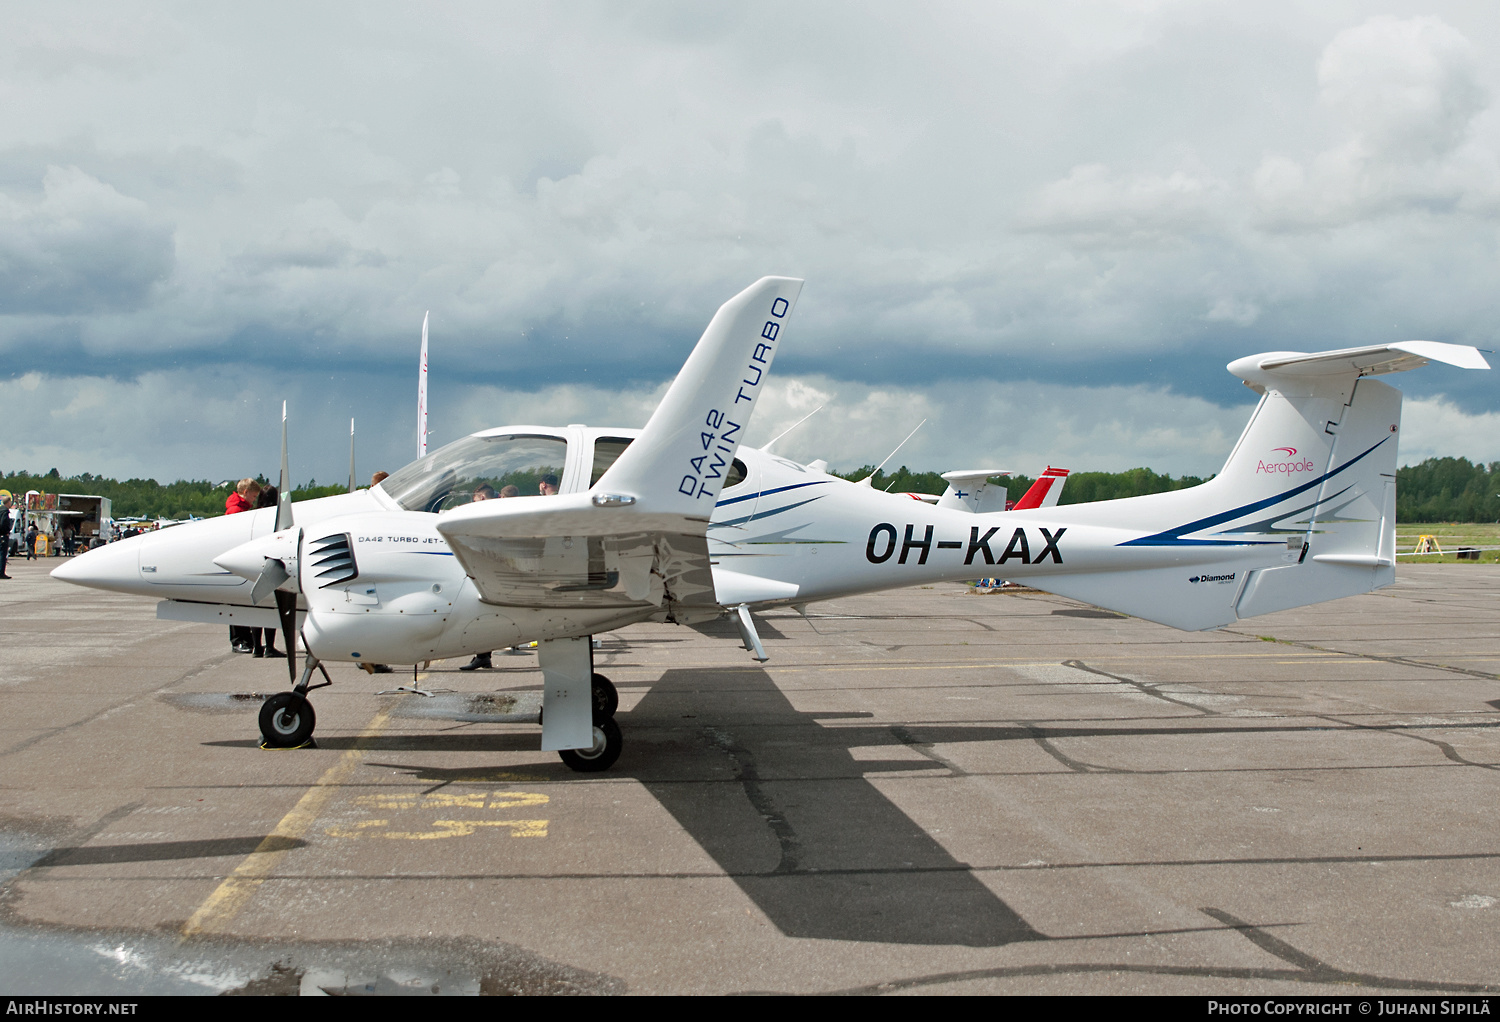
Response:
column 332, row 560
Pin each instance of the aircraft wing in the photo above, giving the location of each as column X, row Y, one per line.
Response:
column 638, row 537
column 564, row 551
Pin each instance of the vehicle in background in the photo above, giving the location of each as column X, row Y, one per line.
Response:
column 16, row 541
column 88, row 515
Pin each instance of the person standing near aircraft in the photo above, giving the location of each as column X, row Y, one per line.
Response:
column 244, row 498
column 548, row 485
column 4, row 535
column 378, row 478
column 31, row 534
column 484, row 491
column 246, row 493
column 263, row 640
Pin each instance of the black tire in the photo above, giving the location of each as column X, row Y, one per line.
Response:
column 606, row 698
column 286, row 720
column 607, row 746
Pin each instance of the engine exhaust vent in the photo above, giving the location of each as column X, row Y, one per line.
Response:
column 332, row 560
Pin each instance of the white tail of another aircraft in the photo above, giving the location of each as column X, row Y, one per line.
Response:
column 1311, row 483
column 971, row 490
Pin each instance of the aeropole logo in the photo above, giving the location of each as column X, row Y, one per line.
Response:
column 1289, row 464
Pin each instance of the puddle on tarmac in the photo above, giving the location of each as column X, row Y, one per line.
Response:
column 468, row 707
column 215, row 702
column 38, row 960
column 474, row 707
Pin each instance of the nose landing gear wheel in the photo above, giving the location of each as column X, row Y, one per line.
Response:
column 286, row 721
column 606, row 698
column 606, row 749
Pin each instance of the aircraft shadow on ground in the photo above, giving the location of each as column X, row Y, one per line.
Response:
column 94, row 855
column 725, row 628
column 783, row 807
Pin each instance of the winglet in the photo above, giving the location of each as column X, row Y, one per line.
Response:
column 679, row 463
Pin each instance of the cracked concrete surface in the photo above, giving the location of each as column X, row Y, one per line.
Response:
column 923, row 790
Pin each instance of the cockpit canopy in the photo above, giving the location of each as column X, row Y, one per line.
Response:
column 452, row 474
column 485, row 464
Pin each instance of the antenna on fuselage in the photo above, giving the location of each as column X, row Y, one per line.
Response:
column 351, row 455
column 809, row 415
column 869, row 480
column 284, row 497
column 422, row 394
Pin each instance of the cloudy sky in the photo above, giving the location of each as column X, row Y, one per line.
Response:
column 1045, row 227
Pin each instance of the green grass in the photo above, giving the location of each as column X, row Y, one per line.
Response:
column 1450, row 536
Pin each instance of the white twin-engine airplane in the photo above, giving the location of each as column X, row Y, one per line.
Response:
column 676, row 522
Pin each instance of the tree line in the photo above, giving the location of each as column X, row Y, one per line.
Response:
column 147, row 498
column 1437, row 490
column 1081, row 488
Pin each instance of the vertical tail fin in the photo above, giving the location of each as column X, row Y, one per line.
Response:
column 1343, row 529
column 1303, row 511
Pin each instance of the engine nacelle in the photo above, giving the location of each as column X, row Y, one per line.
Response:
column 379, row 587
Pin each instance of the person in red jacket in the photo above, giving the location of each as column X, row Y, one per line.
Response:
column 242, row 499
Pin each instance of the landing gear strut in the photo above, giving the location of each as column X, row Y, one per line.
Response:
column 607, row 740
column 606, row 698
column 286, row 718
column 602, row 756
column 286, row 721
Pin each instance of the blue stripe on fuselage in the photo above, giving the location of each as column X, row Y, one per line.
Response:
column 763, row 514
column 767, row 493
column 1173, row 537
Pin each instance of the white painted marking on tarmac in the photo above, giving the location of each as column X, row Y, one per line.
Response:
column 1475, row 901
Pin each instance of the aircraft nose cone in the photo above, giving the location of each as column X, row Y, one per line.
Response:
column 116, row 566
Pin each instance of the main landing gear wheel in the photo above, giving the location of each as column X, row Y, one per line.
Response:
column 286, row 721
column 606, row 699
column 602, row 756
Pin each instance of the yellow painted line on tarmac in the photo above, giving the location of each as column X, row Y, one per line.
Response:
column 1053, row 662
column 240, row 886
column 1281, row 655
column 446, row 829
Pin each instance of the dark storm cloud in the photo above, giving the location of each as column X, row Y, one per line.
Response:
column 79, row 247
column 1090, row 195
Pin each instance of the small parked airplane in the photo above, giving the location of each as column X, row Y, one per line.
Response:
column 677, row 522
column 971, row 490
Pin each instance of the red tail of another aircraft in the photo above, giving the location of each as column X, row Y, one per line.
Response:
column 1045, row 491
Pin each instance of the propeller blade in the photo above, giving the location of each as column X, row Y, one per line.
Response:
column 284, row 503
column 271, row 576
column 286, row 607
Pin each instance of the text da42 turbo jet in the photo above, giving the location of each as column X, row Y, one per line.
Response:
column 677, row 522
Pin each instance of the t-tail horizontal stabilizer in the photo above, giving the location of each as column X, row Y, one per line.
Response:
column 970, row 489
column 1303, row 511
